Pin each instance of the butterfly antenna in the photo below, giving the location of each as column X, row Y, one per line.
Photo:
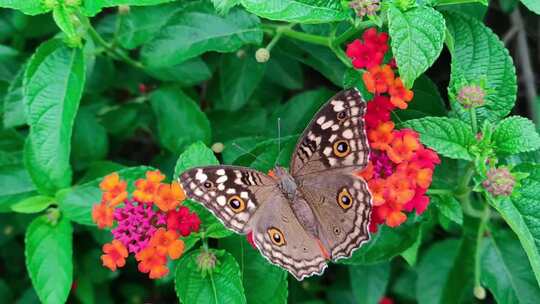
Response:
column 278, row 140
column 249, row 153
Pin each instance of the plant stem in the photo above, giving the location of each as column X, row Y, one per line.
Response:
column 286, row 31
column 440, row 191
column 341, row 56
column 353, row 31
column 479, row 238
column 472, row 111
column 279, row 33
column 451, row 2
column 462, row 191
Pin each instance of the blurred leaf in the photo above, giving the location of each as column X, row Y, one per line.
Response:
column 232, row 125
column 99, row 169
column 14, row 114
column 197, row 29
column 533, row 5
column 231, row 153
column 100, row 77
column 520, row 212
column 53, row 85
column 33, row 204
column 353, row 79
column 405, row 285
column 504, row 272
column 307, row 11
column 417, row 40
column 369, row 291
column 76, row 202
column 224, row 6
column 30, row 7
column 89, row 142
column 433, row 270
column 91, row 8
column 49, row 258
column 449, row 207
column 427, row 101
column 223, row 285
column 475, row 10
column 473, row 62
column 515, row 134
column 285, row 71
column 385, row 244
column 263, row 282
column 9, row 63
column 187, row 73
column 238, row 78
column 180, row 120
column 448, row 136
column 63, row 17
column 16, row 185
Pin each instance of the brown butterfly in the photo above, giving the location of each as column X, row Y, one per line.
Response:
column 317, row 211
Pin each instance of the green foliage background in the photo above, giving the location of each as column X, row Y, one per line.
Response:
column 95, row 86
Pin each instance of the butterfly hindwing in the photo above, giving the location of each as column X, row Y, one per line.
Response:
column 335, row 138
column 232, row 194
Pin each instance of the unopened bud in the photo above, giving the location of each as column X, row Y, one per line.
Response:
column 240, row 54
column 8, row 230
column 50, row 4
column 499, row 182
column 123, row 9
column 53, row 215
column 206, row 261
column 471, row 96
column 262, row 55
column 479, row 292
column 364, row 8
column 218, row 147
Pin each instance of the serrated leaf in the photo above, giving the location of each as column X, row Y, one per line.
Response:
column 533, row 5
column 63, row 18
column 372, row 290
column 48, row 251
column 91, row 8
column 504, row 271
column 53, row 85
column 515, row 134
column 33, row 204
column 224, row 6
column 223, row 285
column 76, row 202
column 197, row 29
column 239, row 76
column 417, row 40
column 263, row 282
column 306, row 11
column 449, row 207
column 478, row 55
column 385, row 244
column 14, row 114
column 29, row 7
column 520, row 212
column 448, row 136
column 180, row 121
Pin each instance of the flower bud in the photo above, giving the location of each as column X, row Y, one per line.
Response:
column 262, row 55
column 218, row 147
column 50, row 4
column 471, row 96
column 206, row 261
column 364, row 8
column 53, row 215
column 123, row 9
column 499, row 182
column 240, row 54
column 479, row 292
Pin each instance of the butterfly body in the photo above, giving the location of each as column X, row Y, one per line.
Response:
column 317, row 211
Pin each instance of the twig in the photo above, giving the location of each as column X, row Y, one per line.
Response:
column 525, row 65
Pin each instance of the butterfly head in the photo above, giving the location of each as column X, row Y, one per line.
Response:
column 285, row 180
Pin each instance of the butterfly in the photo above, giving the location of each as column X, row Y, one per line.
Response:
column 316, row 212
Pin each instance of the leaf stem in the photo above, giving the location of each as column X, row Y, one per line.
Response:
column 341, row 56
column 353, row 31
column 439, row 191
column 288, row 32
column 452, row 2
column 474, row 126
column 479, row 238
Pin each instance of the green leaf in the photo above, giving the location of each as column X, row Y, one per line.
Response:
column 63, row 17
column 187, row 73
column 33, row 204
column 427, row 101
column 197, row 29
column 433, row 270
column 16, row 185
column 53, row 85
column 234, row 125
column 353, row 79
column 197, row 154
column 449, row 207
column 385, row 244
column 91, row 8
column 478, row 55
column 223, row 285
column 238, row 79
column 417, row 40
column 89, row 142
column 504, row 271
column 369, row 291
column 76, row 202
column 263, row 282
column 29, row 7
column 180, row 122
column 285, row 72
column 302, row 11
column 448, row 136
column 533, row 5
column 48, row 254
column 14, row 114
column 515, row 134
column 520, row 212
column 224, row 6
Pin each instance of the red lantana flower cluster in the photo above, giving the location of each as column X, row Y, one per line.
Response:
column 148, row 225
column 400, row 168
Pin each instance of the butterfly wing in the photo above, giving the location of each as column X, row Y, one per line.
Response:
column 334, row 139
column 283, row 241
column 333, row 146
column 232, row 194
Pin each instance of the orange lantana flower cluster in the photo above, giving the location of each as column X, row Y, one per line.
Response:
column 149, row 225
column 400, row 168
